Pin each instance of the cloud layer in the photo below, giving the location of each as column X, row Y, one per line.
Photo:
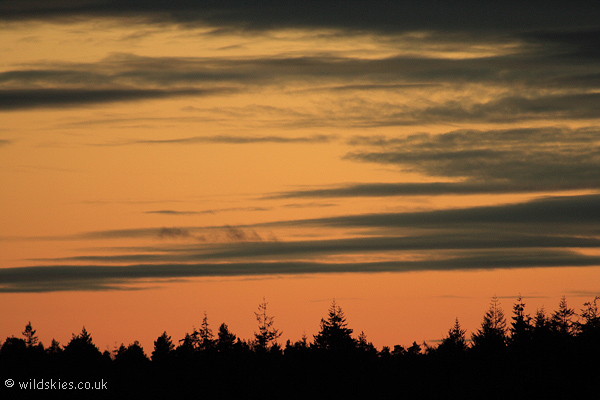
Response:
column 466, row 15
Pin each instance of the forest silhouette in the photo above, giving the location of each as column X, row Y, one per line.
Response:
column 533, row 356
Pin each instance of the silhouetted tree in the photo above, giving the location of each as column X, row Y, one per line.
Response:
column 590, row 316
column 335, row 334
column 385, row 353
column 204, row 338
column 55, row 348
column 225, row 339
column 81, row 348
column 299, row 347
column 364, row 345
column 455, row 342
column 520, row 328
column 491, row 337
column 163, row 348
column 561, row 321
column 398, row 351
column 267, row 334
column 13, row 346
column 589, row 327
column 413, row 350
column 186, row 346
column 132, row 355
column 29, row 333
column 541, row 328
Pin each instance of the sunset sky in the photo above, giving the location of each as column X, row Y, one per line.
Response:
column 159, row 160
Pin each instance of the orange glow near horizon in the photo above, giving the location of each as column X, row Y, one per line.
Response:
column 391, row 308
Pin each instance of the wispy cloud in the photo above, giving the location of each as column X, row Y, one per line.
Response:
column 382, row 17
column 537, row 158
column 228, row 139
column 98, row 277
column 210, row 211
column 554, row 214
column 429, row 246
column 19, row 99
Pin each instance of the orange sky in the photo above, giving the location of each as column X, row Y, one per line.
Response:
column 432, row 168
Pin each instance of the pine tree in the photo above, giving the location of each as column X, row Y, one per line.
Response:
column 414, row 350
column 491, row 337
column 55, row 348
column 591, row 317
column 131, row 355
column 30, row 338
column 204, row 337
column 163, row 348
column 455, row 342
column 267, row 334
column 364, row 345
column 561, row 321
column 335, row 334
column 225, row 339
column 521, row 328
column 82, row 348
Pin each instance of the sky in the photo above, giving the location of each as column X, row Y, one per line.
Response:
column 410, row 160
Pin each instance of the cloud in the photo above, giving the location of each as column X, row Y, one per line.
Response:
column 19, row 99
column 513, row 108
column 195, row 234
column 174, row 233
column 406, row 189
column 50, row 278
column 210, row 211
column 5, row 142
column 383, row 246
column 505, row 90
column 480, row 162
column 514, row 160
column 556, row 214
column 466, row 15
column 228, row 139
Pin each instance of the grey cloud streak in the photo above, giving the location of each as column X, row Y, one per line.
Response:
column 229, row 139
column 130, row 77
column 523, row 160
column 517, row 159
column 100, row 277
column 20, row 99
column 551, row 215
column 416, row 189
column 275, row 250
column 380, row 16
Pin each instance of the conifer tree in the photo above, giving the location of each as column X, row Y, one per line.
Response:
column 204, row 337
column 267, row 334
column 335, row 334
column 82, row 347
column 521, row 328
column 55, row 348
column 455, row 342
column 491, row 337
column 29, row 333
column 225, row 339
column 590, row 315
column 363, row 344
column 163, row 348
column 561, row 321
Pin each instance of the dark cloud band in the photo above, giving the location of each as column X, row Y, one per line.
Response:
column 380, row 16
column 50, row 98
column 97, row 277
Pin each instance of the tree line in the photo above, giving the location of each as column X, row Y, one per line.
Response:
column 554, row 354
